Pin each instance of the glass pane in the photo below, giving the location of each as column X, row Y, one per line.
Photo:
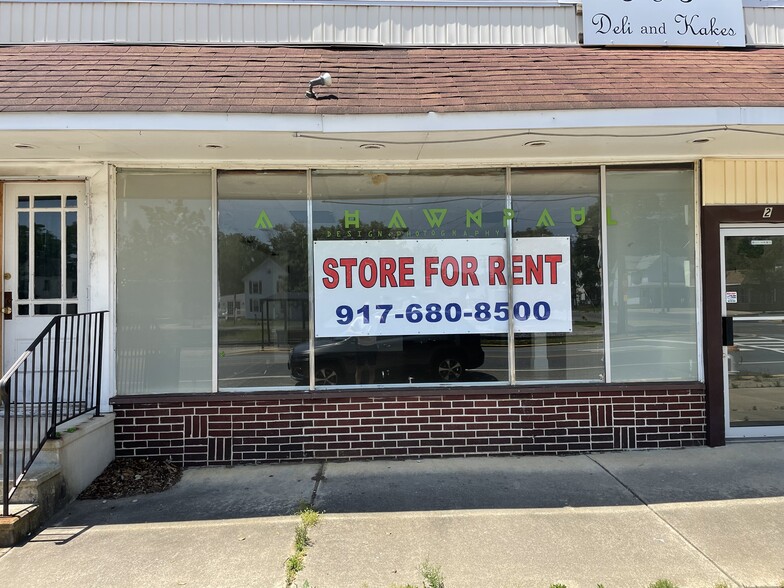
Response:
column 564, row 204
column 164, row 277
column 24, row 202
column 47, row 201
column 428, row 209
column 650, row 237
column 754, row 275
column 48, row 309
column 23, row 310
column 47, row 282
column 262, row 277
column 71, row 201
column 23, row 245
column 71, row 309
column 756, row 367
column 70, row 255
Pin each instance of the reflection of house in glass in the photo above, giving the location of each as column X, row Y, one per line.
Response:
column 657, row 281
column 231, row 306
column 266, row 298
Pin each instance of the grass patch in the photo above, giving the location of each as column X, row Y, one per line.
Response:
column 663, row 584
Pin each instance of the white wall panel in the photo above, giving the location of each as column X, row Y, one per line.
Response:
column 765, row 26
column 269, row 23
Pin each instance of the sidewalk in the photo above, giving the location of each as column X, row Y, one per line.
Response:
column 699, row 517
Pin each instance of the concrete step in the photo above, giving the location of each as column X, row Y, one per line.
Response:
column 39, row 495
column 23, row 521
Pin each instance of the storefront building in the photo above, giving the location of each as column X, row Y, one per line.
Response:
column 485, row 232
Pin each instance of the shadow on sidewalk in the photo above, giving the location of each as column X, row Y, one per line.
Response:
column 749, row 470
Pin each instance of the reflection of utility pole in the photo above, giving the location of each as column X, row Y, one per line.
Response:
column 623, row 294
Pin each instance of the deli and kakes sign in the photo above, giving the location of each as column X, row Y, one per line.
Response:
column 684, row 23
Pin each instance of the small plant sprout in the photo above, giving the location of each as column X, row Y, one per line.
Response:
column 663, row 584
column 432, row 575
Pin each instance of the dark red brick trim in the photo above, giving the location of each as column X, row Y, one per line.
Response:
column 232, row 428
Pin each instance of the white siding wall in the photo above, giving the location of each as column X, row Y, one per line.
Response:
column 349, row 22
column 287, row 23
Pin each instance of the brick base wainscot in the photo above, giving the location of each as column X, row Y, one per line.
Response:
column 221, row 429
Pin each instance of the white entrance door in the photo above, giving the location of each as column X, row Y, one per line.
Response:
column 43, row 259
column 753, row 300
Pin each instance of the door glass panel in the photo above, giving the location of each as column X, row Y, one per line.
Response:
column 756, row 374
column 48, row 269
column 23, row 283
column 754, row 275
column 71, row 280
column 47, row 201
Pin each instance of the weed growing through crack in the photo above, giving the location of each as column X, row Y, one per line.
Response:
column 662, row 584
column 296, row 562
column 432, row 575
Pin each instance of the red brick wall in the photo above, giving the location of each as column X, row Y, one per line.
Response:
column 224, row 428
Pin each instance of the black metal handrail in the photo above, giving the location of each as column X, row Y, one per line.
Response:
column 57, row 379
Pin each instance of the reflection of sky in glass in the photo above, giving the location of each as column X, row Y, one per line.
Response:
column 412, row 210
column 529, row 209
column 241, row 216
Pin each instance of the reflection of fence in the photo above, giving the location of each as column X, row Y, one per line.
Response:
column 278, row 321
column 144, row 359
column 57, row 379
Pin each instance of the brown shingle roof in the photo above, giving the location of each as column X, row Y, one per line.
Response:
column 115, row 78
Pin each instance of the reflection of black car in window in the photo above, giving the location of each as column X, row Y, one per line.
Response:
column 439, row 358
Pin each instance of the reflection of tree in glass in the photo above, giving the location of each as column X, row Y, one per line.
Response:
column 289, row 246
column 238, row 255
column 760, row 267
column 586, row 274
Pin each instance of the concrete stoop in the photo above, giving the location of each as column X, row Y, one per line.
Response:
column 64, row 467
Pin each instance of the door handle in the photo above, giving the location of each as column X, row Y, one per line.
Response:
column 727, row 331
column 8, row 305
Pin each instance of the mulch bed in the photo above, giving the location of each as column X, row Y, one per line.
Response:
column 131, row 476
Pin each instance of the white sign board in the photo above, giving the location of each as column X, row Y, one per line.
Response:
column 686, row 23
column 442, row 286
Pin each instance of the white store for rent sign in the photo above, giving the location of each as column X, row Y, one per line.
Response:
column 442, row 286
column 685, row 23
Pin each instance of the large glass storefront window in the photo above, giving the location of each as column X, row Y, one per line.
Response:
column 262, row 277
column 404, row 278
column 652, row 277
column 414, row 335
column 164, row 273
column 567, row 204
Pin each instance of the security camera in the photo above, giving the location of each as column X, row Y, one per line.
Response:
column 323, row 80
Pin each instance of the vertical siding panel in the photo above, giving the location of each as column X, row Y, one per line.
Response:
column 15, row 21
column 190, row 23
column 750, row 188
column 779, row 196
column 729, row 183
column 39, row 24
column 709, row 181
column 771, row 182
